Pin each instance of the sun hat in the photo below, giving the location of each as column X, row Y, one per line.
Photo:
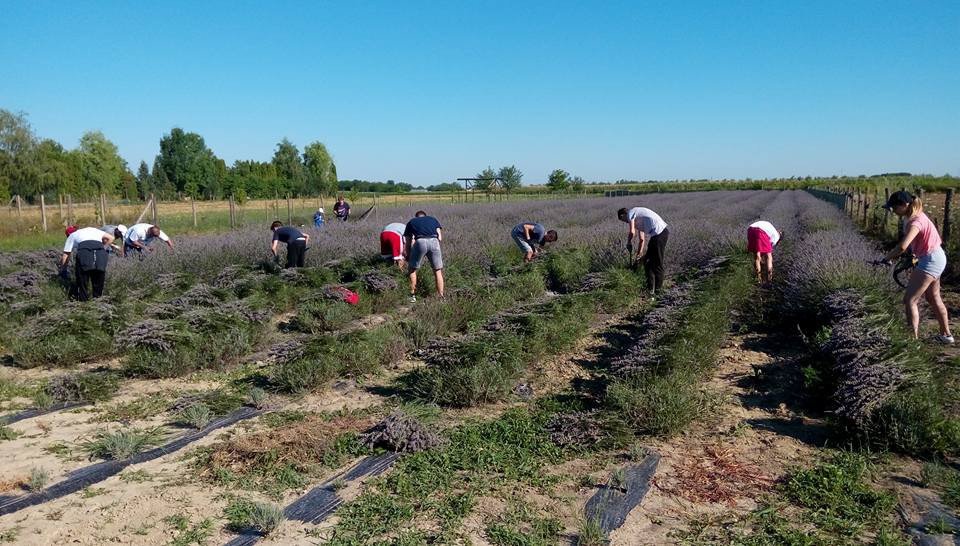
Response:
column 898, row 198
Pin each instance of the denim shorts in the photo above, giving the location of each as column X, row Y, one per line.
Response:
column 934, row 263
column 423, row 248
column 521, row 242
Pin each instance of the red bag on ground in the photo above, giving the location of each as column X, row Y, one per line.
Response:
column 342, row 293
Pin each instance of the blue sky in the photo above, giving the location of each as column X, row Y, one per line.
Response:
column 426, row 92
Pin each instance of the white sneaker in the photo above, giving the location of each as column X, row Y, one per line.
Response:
column 413, row 298
column 946, row 340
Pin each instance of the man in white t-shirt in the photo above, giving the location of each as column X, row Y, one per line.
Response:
column 89, row 246
column 391, row 243
column 139, row 237
column 653, row 233
column 761, row 238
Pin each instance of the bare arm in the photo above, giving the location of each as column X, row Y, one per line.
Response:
column 904, row 243
column 527, row 231
column 406, row 248
column 632, row 231
column 642, row 247
column 64, row 258
column 273, row 247
column 439, row 234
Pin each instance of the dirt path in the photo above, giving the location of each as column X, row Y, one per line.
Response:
column 757, row 430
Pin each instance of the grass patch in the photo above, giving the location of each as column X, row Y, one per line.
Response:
column 7, row 433
column 198, row 533
column 244, row 514
column 437, row 484
column 122, row 444
column 664, row 398
column 326, row 357
column 135, row 410
column 522, row 525
column 83, row 387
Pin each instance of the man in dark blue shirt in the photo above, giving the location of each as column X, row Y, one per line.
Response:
column 423, row 235
column 295, row 240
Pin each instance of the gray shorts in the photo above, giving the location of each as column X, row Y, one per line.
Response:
column 934, row 263
column 421, row 249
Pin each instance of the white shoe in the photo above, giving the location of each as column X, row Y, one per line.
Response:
column 413, row 298
column 946, row 340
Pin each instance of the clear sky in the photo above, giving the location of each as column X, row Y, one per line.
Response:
column 425, row 92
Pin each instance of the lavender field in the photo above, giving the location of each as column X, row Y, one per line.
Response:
column 263, row 389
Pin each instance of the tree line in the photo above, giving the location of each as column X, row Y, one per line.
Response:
column 185, row 166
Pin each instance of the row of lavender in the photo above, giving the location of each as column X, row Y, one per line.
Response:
column 885, row 385
column 210, row 292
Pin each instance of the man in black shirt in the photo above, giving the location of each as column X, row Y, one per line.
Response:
column 423, row 235
column 295, row 240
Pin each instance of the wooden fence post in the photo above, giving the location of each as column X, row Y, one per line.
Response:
column 947, row 202
column 69, row 210
column 19, row 210
column 153, row 208
column 193, row 209
column 866, row 208
column 233, row 213
column 886, row 213
column 289, row 211
column 43, row 212
column 103, row 207
column 60, row 201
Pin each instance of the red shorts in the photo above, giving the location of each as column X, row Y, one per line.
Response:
column 758, row 241
column 390, row 245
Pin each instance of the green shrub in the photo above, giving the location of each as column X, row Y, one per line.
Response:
column 83, row 387
column 566, row 269
column 481, row 369
column 325, row 357
column 68, row 335
column 244, row 514
column 122, row 444
column 654, row 403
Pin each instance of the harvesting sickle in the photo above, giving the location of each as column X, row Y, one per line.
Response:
column 923, row 241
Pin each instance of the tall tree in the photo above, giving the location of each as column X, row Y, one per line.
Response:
column 485, row 185
column 145, row 183
column 577, row 184
column 187, row 162
column 289, row 166
column 511, row 177
column 102, row 167
column 163, row 188
column 320, row 170
column 17, row 145
column 559, row 180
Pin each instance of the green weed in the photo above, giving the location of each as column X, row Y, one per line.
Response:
column 122, row 444
column 243, row 514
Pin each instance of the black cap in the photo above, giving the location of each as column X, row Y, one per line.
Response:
column 898, row 198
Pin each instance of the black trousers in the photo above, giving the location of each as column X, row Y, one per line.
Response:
column 653, row 260
column 296, row 251
column 95, row 278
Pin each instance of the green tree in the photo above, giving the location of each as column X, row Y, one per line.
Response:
column 187, row 162
column 145, row 184
column 163, row 188
column 320, row 170
column 102, row 167
column 510, row 178
column 485, row 185
column 17, row 146
column 56, row 172
column 577, row 184
column 289, row 167
column 559, row 180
